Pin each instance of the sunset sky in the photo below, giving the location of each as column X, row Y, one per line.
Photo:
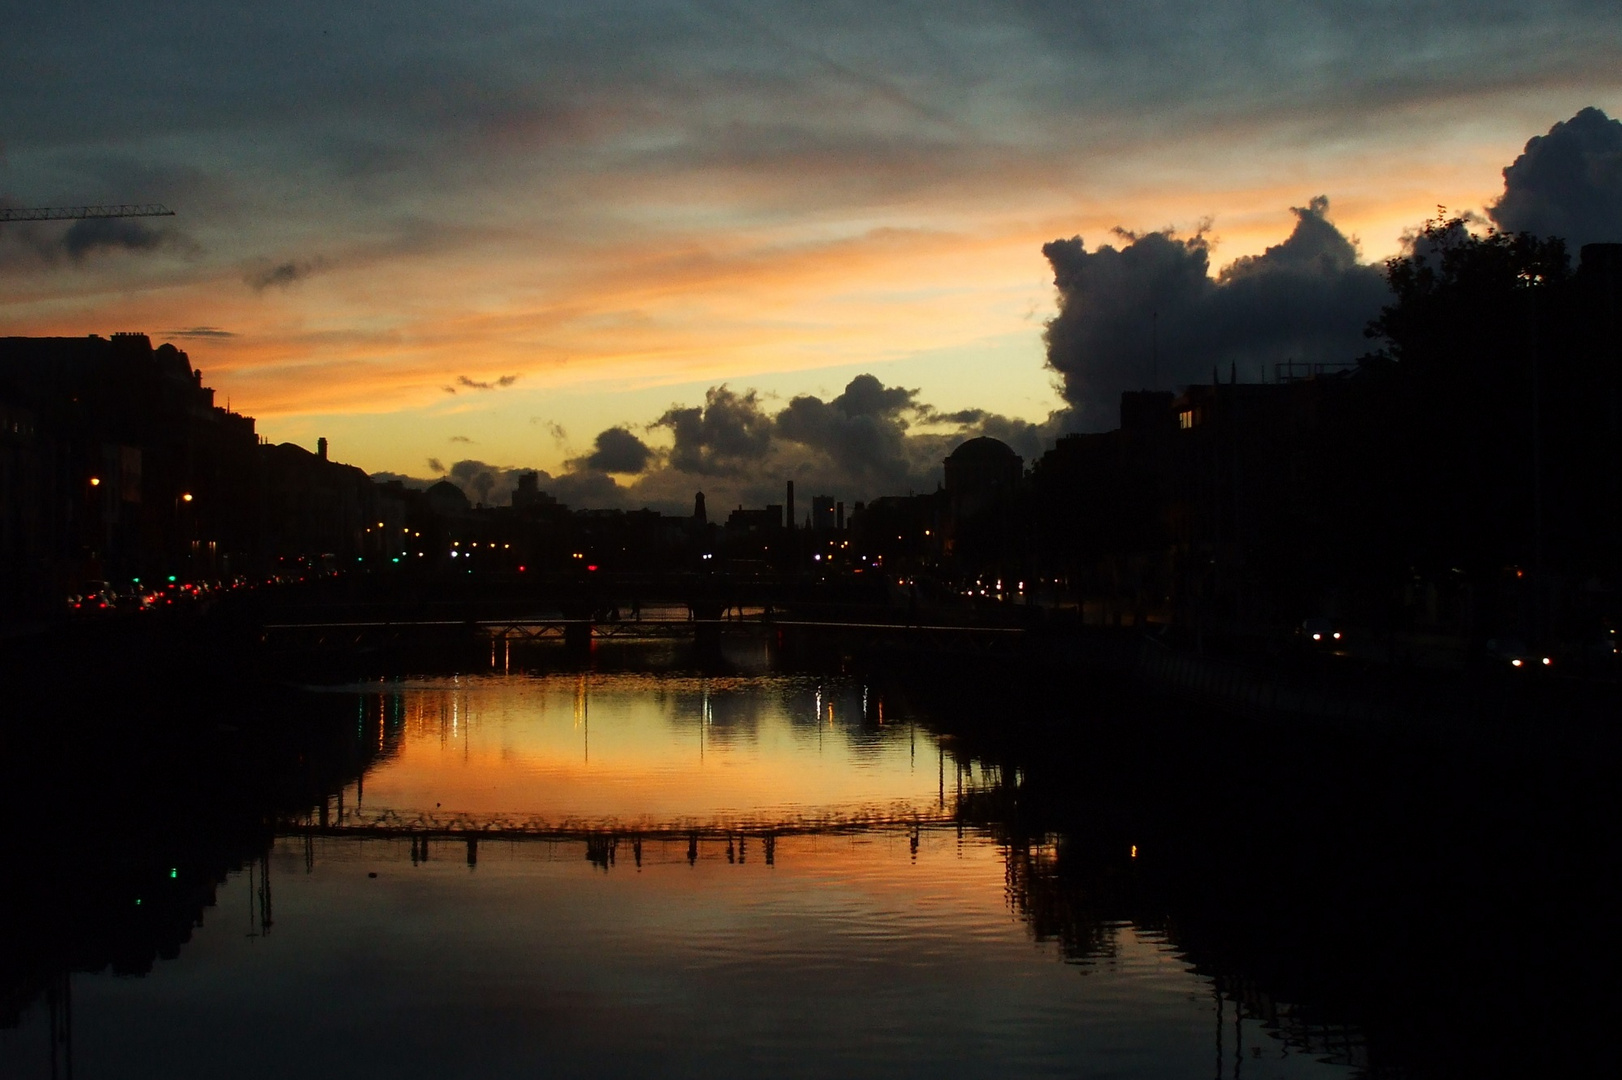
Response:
column 489, row 232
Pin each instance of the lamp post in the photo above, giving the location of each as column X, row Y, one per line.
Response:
column 184, row 530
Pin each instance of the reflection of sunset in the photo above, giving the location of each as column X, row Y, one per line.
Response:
column 651, row 750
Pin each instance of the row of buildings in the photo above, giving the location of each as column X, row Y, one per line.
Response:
column 116, row 465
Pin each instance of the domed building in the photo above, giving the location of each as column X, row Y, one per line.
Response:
column 447, row 500
column 980, row 474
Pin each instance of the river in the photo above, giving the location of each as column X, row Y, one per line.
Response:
column 640, row 867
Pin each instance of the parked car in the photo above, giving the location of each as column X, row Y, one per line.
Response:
column 1513, row 652
column 1319, row 630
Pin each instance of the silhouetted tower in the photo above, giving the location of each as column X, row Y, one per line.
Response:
column 321, row 448
column 790, row 516
column 699, row 516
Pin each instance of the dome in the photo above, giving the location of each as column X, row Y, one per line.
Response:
column 446, row 498
column 985, row 450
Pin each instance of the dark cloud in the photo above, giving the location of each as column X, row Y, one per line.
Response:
column 588, row 488
column 863, row 431
column 474, row 384
column 960, row 416
column 36, row 243
column 110, row 234
column 617, row 451
column 460, row 438
column 282, row 275
column 435, row 465
column 199, row 332
column 1149, row 313
column 721, row 437
column 553, row 428
column 1567, row 183
column 477, row 480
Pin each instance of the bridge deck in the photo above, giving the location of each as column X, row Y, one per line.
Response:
column 656, row 627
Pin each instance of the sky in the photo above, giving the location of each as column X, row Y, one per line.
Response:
column 541, row 235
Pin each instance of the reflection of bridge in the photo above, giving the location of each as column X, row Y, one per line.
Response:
column 403, row 823
column 603, row 837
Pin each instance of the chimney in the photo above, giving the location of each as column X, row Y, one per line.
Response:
column 321, row 448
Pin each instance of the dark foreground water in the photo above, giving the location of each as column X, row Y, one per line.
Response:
column 662, row 872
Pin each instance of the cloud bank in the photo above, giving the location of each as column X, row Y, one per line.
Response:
column 1149, row 314
column 1567, row 183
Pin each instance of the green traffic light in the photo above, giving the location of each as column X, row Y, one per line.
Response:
column 171, row 579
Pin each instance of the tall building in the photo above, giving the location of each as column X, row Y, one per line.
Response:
column 822, row 513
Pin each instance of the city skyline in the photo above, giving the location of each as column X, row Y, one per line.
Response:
column 578, row 225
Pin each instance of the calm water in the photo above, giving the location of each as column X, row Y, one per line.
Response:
column 669, row 875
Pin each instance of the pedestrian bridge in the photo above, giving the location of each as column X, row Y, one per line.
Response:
column 432, row 833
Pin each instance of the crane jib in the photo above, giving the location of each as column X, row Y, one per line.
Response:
column 80, row 213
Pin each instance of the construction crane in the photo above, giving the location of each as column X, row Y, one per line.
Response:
column 81, row 213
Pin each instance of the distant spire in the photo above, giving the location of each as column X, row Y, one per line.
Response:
column 699, row 516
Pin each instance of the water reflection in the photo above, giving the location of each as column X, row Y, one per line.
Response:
column 685, row 873
column 872, row 952
column 628, row 873
column 636, row 752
